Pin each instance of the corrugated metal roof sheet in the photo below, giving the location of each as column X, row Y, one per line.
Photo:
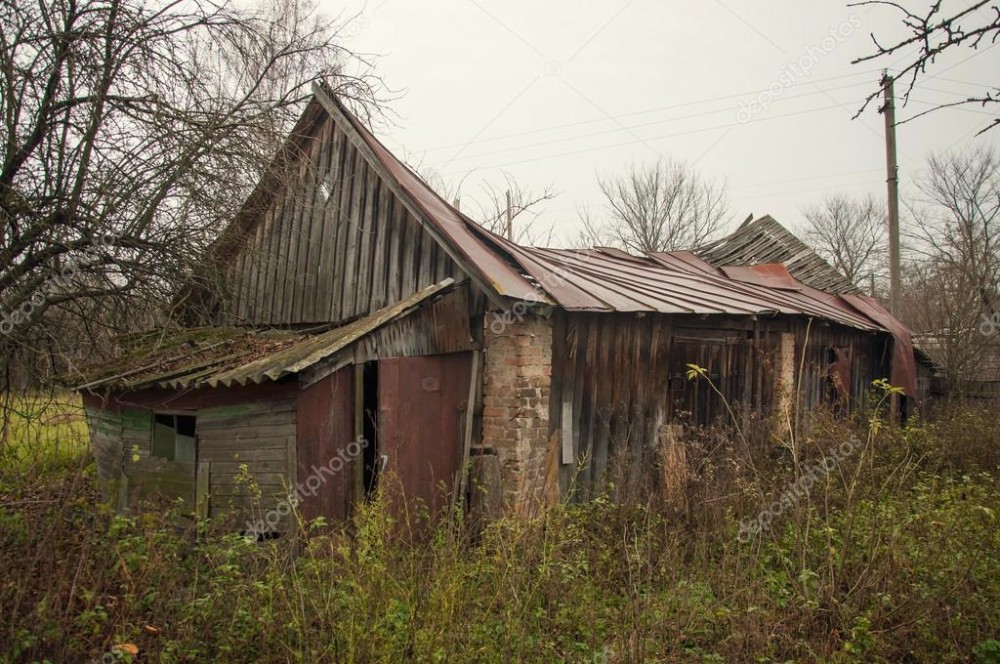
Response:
column 229, row 356
column 674, row 283
column 771, row 275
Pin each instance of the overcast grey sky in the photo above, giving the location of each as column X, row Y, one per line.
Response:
column 759, row 92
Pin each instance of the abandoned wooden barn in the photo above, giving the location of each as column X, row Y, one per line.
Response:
column 365, row 326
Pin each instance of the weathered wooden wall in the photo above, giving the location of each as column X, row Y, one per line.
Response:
column 253, row 427
column 620, row 378
column 253, row 440
column 121, row 439
column 335, row 243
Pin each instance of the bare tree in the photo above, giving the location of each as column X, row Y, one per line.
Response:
column 130, row 131
column 932, row 32
column 488, row 208
column 491, row 209
column 955, row 235
column 663, row 207
column 851, row 234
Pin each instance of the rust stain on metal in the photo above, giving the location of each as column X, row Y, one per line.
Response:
column 420, row 430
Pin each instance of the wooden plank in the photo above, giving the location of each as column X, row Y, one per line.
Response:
column 381, row 232
column 240, row 453
column 350, row 273
column 312, row 254
column 270, row 494
column 298, row 279
column 366, row 250
column 332, row 224
column 343, row 231
column 243, row 270
column 588, row 413
column 201, row 490
column 286, row 285
column 470, row 408
column 579, row 369
column 638, row 424
column 411, row 238
column 247, row 422
column 269, row 249
column 394, row 288
column 425, row 273
column 327, row 225
column 260, row 434
column 260, row 477
column 276, row 464
column 568, row 421
column 253, row 254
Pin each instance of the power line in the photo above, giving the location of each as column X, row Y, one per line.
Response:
column 813, row 177
column 652, row 138
column 654, row 110
column 614, row 130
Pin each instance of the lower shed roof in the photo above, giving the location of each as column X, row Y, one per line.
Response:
column 181, row 358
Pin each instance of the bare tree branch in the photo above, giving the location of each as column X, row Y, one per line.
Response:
column 851, row 234
column 954, row 287
column 130, row 131
column 932, row 33
column 663, row 207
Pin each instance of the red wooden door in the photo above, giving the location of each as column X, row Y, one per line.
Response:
column 422, row 401
column 324, row 433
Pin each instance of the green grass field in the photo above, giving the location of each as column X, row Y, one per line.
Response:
column 41, row 429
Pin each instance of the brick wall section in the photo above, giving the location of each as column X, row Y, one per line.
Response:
column 516, row 388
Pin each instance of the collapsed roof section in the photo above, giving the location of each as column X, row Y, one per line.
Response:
column 763, row 241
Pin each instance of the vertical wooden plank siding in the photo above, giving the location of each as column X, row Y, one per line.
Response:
column 335, row 244
column 622, row 377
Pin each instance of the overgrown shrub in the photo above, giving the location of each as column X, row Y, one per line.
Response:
column 890, row 555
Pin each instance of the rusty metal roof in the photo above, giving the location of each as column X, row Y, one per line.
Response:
column 229, row 356
column 764, row 241
column 605, row 280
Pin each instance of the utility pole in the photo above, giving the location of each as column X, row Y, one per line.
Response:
column 892, row 181
column 510, row 219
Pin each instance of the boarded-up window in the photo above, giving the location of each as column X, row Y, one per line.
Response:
column 173, row 437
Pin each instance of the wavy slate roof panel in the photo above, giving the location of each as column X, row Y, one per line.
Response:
column 228, row 356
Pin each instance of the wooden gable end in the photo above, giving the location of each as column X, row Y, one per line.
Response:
column 332, row 244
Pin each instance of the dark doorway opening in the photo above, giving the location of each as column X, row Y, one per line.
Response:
column 369, row 428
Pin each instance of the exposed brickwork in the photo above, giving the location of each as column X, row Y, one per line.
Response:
column 516, row 388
